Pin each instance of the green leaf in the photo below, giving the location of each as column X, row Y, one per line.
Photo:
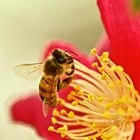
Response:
column 136, row 4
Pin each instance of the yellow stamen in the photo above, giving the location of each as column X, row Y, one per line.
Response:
column 108, row 106
column 87, row 138
column 62, row 135
column 63, row 111
column 94, row 126
column 101, row 69
column 61, row 101
column 121, row 112
column 77, row 88
column 104, row 104
column 74, row 103
column 69, row 97
column 119, row 68
column 80, row 93
column 90, row 97
column 55, row 112
column 100, row 99
column 73, row 93
column 53, row 119
column 95, row 64
column 50, row 128
column 71, row 114
column 104, row 76
column 64, row 128
column 93, row 51
column 104, row 57
column 107, row 115
column 105, row 54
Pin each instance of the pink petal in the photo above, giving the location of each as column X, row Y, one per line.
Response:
column 123, row 28
column 28, row 110
column 136, row 135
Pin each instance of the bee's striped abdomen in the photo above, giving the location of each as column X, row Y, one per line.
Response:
column 47, row 90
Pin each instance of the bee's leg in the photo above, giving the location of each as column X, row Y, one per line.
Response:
column 58, row 85
column 70, row 71
column 65, row 83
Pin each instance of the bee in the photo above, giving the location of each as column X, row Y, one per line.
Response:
column 56, row 73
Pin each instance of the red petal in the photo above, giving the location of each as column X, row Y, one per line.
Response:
column 28, row 110
column 136, row 135
column 63, row 45
column 123, row 28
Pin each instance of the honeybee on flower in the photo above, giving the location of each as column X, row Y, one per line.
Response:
column 105, row 102
column 58, row 64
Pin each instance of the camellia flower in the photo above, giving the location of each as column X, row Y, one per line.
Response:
column 102, row 102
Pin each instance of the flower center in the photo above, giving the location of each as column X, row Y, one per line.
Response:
column 103, row 104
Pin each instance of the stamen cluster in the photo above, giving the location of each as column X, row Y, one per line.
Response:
column 103, row 104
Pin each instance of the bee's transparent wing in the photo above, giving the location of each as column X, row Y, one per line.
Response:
column 29, row 71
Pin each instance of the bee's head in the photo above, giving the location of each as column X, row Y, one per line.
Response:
column 62, row 57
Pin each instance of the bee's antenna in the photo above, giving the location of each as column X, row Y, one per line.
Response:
column 71, row 52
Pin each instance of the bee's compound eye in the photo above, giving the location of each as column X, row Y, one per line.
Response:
column 61, row 60
column 59, row 56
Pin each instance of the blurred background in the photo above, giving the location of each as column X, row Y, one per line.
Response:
column 26, row 26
